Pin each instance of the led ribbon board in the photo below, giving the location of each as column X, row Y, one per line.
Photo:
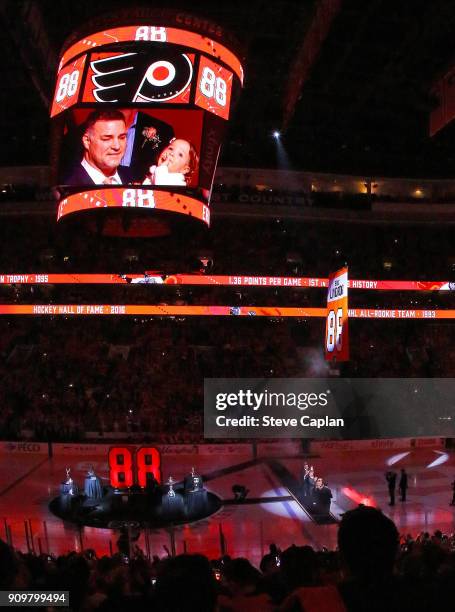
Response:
column 141, row 111
column 166, row 310
column 156, row 278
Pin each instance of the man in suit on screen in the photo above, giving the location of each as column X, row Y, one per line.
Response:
column 104, row 142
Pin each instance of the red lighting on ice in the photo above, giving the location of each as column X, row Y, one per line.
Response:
column 357, row 497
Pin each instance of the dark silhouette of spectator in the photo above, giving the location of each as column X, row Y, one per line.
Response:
column 302, row 579
column 9, row 566
column 368, row 542
column 378, row 575
column 270, row 562
column 299, row 567
column 244, row 588
column 186, row 582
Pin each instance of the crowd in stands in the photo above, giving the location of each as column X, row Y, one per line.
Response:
column 63, row 376
column 250, row 194
column 274, row 247
column 123, row 374
column 373, row 570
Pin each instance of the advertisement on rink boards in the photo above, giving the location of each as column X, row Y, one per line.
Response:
column 384, row 444
column 102, row 450
column 78, row 449
column 287, row 448
column 24, row 448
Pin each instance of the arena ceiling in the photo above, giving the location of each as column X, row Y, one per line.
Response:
column 347, row 81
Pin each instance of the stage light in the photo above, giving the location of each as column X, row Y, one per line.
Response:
column 396, row 458
column 443, row 457
column 276, row 134
column 357, row 497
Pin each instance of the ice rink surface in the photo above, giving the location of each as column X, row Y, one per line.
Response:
column 28, row 481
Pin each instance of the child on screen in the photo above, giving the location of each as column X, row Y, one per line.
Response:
column 176, row 165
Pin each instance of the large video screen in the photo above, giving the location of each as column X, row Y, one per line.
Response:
column 137, row 148
column 141, row 114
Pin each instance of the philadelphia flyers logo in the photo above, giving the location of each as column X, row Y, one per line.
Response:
column 141, row 77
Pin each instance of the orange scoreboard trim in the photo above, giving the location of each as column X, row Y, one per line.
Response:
column 142, row 199
column 150, row 33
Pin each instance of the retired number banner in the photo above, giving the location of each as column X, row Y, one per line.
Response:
column 336, row 329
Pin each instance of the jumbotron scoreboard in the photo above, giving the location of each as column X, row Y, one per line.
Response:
column 139, row 111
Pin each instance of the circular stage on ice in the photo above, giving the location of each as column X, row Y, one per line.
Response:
column 155, row 509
